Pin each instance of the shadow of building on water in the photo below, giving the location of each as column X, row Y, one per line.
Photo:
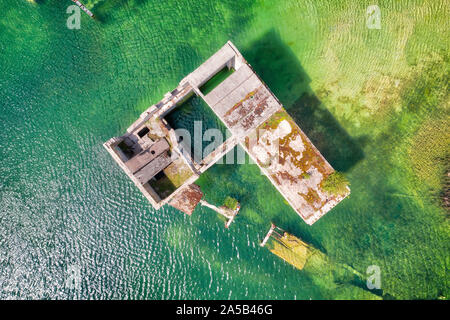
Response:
column 277, row 65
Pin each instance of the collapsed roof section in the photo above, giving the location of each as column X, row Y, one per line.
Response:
column 157, row 162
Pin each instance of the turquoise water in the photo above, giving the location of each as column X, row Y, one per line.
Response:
column 65, row 203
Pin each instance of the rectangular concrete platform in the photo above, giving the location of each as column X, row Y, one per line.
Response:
column 256, row 120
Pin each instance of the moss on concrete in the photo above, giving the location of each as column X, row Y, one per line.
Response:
column 231, row 203
column 336, row 184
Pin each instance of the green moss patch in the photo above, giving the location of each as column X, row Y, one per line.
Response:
column 216, row 80
column 336, row 184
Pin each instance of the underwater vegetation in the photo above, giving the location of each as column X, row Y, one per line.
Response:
column 336, row 184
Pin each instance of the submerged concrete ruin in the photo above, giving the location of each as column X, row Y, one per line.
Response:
column 163, row 167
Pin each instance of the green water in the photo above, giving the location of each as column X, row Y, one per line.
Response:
column 375, row 102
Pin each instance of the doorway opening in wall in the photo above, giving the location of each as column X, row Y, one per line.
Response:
column 195, row 116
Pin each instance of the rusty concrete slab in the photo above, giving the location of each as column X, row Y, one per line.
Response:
column 248, row 113
column 233, row 81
